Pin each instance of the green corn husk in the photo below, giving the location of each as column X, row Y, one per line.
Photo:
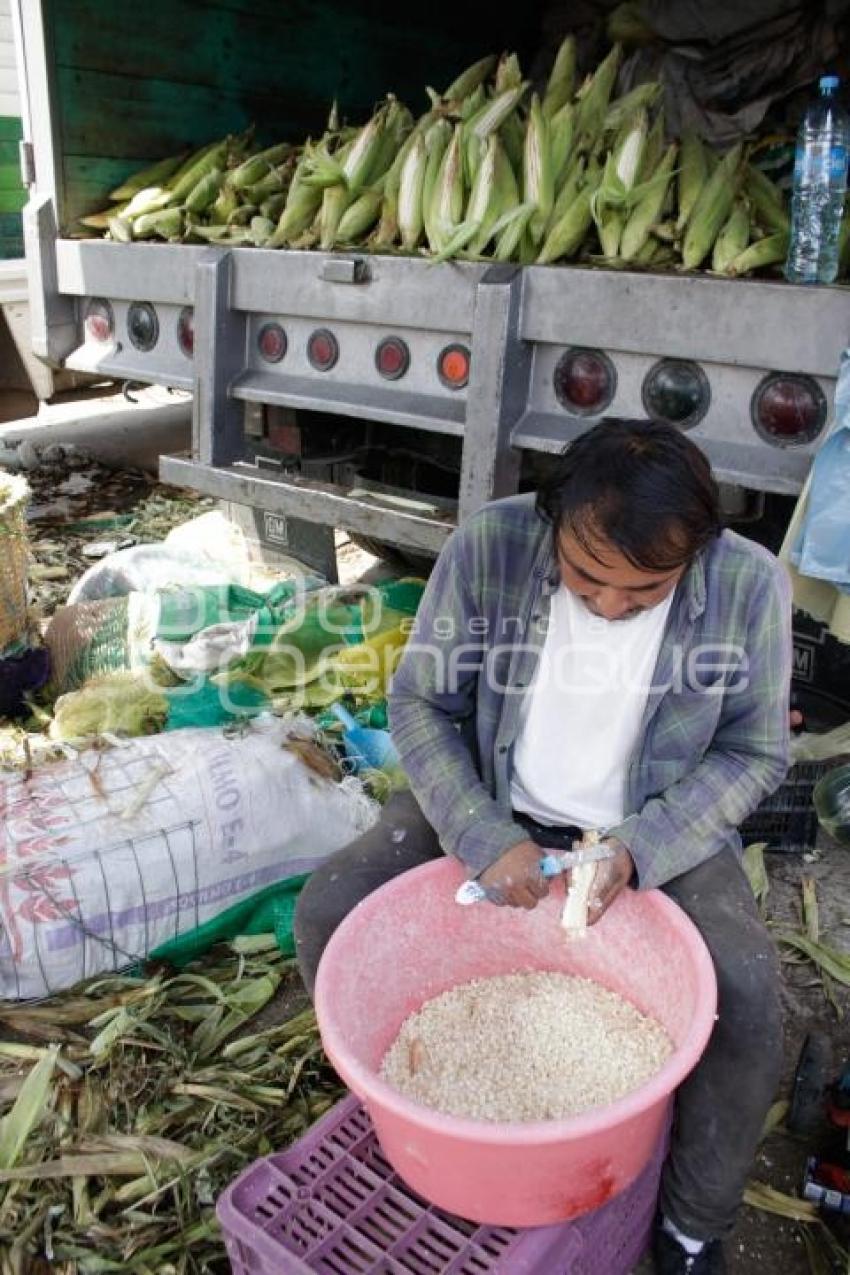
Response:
column 360, row 216
column 562, row 77
column 561, row 137
column 302, row 204
column 767, row 201
column 411, row 194
column 469, row 80
column 754, row 867
column 568, row 191
column 100, row 220
column 567, row 235
column 693, row 174
column 711, row 209
column 165, row 224
column 508, row 73
column 483, row 208
column 538, row 182
column 594, row 98
column 437, row 141
column 156, row 175
column 733, row 238
column 614, row 196
column 494, row 114
column 509, row 232
column 258, row 166
column 149, row 199
column 765, row 252
column 503, row 198
column 212, row 157
column 261, row 230
column 648, row 209
column 224, row 205
column 653, row 150
column 273, row 207
column 28, row 1109
column 242, row 215
column 359, row 166
column 272, row 184
column 335, row 200
column 623, row 108
column 447, row 196
column 120, row 230
column 206, row 191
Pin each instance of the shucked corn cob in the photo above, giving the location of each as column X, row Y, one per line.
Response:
column 485, row 172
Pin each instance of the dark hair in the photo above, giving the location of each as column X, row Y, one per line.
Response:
column 642, row 486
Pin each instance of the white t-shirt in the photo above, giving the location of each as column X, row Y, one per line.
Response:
column 580, row 719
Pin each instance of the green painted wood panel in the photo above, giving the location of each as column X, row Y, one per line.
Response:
column 12, row 193
column 131, row 89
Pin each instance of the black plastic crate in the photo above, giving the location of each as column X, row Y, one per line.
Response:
column 787, row 820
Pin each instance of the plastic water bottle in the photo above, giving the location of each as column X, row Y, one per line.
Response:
column 820, row 183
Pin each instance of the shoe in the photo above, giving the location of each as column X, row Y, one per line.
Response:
column 671, row 1259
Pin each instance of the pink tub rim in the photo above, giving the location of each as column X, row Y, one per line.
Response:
column 369, row 1087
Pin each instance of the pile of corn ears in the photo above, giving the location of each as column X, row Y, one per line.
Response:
column 491, row 171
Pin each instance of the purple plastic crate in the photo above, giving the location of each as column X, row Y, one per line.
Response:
column 332, row 1205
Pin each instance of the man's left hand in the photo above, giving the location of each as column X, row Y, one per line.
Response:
column 612, row 877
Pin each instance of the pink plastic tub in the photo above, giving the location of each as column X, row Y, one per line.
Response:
column 409, row 941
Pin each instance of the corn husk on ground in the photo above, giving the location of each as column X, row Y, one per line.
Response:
column 128, row 1104
column 490, row 171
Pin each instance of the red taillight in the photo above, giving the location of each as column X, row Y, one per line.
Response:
column 676, row 392
column 271, row 342
column 99, row 321
column 585, row 381
column 392, row 358
column 186, row 331
column 453, row 366
column 788, row 410
column 322, row 350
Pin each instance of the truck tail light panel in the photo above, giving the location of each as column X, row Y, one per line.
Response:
column 788, row 410
column 271, row 342
column 585, row 381
column 322, row 350
column 99, row 321
column 392, row 358
column 676, row 392
column 142, row 326
column 453, row 366
column 186, row 331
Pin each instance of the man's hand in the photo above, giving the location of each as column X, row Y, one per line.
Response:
column 612, row 877
column 515, row 878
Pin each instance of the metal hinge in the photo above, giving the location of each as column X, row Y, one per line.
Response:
column 27, row 159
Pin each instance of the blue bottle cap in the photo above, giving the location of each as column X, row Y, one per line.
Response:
column 828, row 82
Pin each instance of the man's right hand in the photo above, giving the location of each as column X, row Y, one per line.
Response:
column 515, row 878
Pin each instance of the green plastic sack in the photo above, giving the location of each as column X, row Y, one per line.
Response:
column 206, row 704
column 269, row 911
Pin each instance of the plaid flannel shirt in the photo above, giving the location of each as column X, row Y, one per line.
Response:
column 714, row 739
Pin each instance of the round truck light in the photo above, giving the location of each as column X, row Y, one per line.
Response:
column 585, row 381
column 271, row 342
column 392, row 358
column 453, row 366
column 142, row 326
column 676, row 392
column 99, row 321
column 788, row 411
column 186, row 331
column 322, row 350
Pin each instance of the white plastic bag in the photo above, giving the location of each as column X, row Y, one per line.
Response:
column 106, row 856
